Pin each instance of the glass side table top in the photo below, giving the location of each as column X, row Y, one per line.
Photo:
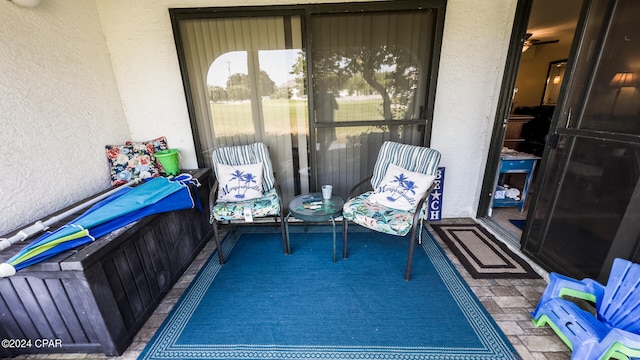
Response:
column 312, row 207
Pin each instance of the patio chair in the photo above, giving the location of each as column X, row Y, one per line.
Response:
column 245, row 188
column 613, row 331
column 403, row 177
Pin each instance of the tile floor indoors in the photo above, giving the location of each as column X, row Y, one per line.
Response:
column 503, row 215
column 508, row 301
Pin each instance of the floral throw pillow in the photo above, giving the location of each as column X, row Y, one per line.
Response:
column 153, row 146
column 129, row 162
column 401, row 189
column 135, row 160
column 239, row 182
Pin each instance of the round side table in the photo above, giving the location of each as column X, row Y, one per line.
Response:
column 313, row 208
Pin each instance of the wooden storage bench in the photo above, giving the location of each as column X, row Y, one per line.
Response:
column 95, row 298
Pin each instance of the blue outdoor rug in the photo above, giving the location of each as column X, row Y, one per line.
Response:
column 263, row 304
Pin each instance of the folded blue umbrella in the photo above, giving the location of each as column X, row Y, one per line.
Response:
column 118, row 210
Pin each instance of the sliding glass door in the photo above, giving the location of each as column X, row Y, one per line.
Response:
column 587, row 212
column 322, row 86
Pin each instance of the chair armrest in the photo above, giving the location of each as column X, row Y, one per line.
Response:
column 213, row 194
column 418, row 210
column 276, row 185
column 560, row 285
column 585, row 289
column 352, row 192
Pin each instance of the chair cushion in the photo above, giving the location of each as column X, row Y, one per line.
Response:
column 377, row 217
column 267, row 205
column 239, row 182
column 401, row 189
column 245, row 155
column 410, row 157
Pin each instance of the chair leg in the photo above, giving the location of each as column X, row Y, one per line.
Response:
column 285, row 241
column 412, row 245
column 216, row 238
column 344, row 237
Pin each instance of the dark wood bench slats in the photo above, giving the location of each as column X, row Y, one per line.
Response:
column 97, row 297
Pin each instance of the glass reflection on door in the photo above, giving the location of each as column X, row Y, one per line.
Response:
column 588, row 209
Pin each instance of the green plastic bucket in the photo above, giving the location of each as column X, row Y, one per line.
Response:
column 170, row 160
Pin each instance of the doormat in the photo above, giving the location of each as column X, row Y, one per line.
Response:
column 517, row 223
column 484, row 256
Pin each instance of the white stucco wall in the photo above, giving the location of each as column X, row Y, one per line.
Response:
column 474, row 49
column 59, row 106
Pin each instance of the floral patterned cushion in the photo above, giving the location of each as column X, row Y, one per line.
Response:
column 377, row 217
column 153, row 146
column 267, row 205
column 134, row 160
column 129, row 162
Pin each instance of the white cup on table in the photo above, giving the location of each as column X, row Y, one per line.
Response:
column 326, row 191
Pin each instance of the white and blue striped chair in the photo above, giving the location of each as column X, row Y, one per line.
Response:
column 268, row 205
column 373, row 215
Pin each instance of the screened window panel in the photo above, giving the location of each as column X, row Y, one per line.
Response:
column 374, row 64
column 369, row 71
column 593, row 215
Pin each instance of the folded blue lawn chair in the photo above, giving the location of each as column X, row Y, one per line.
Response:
column 613, row 331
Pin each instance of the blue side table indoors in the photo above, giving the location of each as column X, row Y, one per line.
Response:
column 516, row 163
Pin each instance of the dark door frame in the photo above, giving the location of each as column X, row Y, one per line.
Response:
column 523, row 11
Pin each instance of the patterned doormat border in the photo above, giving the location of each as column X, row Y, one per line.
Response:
column 484, row 256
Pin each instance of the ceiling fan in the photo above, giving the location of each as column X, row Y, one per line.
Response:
column 529, row 42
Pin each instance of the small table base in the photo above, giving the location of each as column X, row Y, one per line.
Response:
column 312, row 208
